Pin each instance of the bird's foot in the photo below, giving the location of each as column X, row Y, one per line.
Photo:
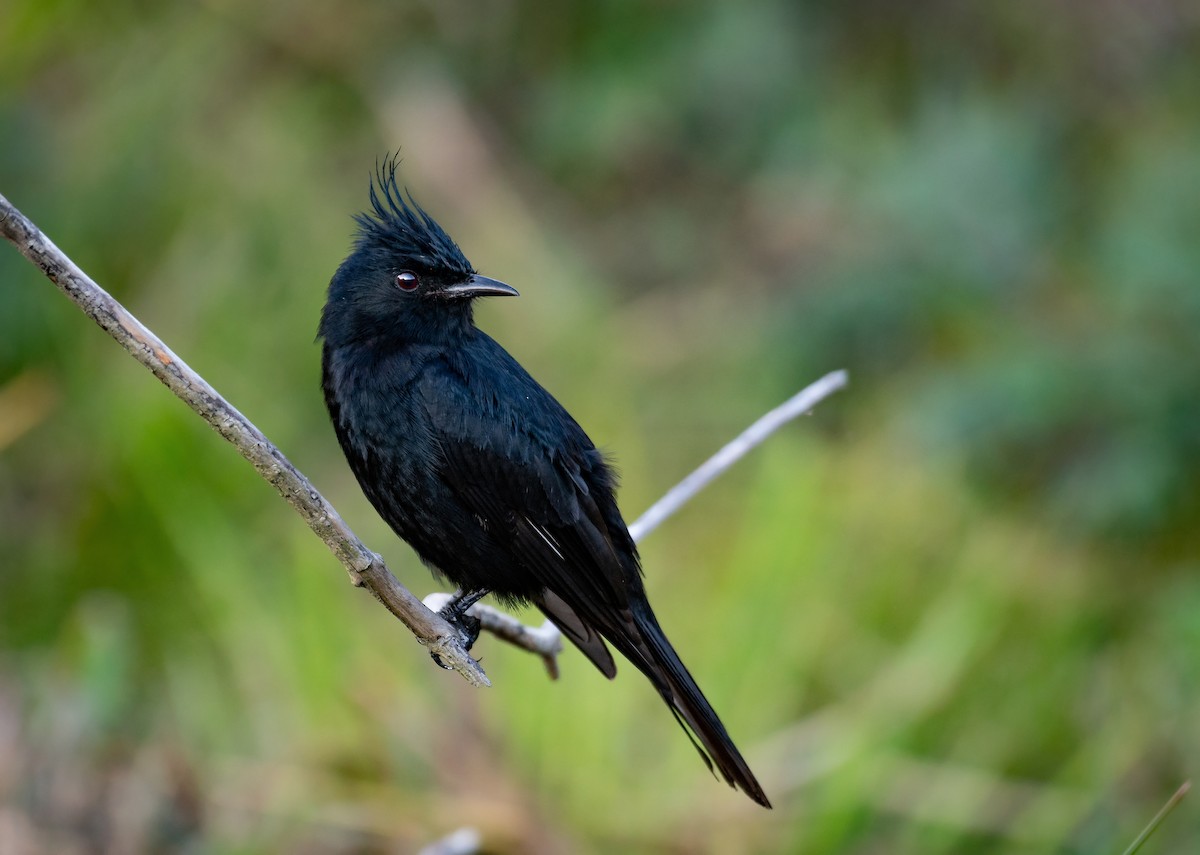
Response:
column 467, row 626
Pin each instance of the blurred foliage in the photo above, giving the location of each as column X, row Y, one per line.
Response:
column 957, row 610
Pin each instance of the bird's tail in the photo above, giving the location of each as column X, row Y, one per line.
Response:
column 657, row 659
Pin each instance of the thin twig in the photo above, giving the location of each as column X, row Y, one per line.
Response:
column 1159, row 817
column 546, row 641
column 465, row 841
column 365, row 567
column 797, row 405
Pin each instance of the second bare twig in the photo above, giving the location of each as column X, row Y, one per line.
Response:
column 733, row 451
column 546, row 641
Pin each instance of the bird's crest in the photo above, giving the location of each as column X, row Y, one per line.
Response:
column 399, row 226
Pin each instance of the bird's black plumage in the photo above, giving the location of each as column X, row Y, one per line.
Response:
column 477, row 466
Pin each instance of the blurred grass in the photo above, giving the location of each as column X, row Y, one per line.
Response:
column 957, row 610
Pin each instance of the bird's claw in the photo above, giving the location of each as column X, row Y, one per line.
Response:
column 466, row 626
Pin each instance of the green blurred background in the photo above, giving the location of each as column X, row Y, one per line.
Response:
column 958, row 610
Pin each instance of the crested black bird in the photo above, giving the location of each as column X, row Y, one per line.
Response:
column 478, row 467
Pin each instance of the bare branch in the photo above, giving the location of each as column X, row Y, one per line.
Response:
column 683, row 492
column 365, row 567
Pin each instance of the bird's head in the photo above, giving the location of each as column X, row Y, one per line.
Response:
column 405, row 279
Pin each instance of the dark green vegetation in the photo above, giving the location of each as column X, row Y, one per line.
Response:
column 958, row 610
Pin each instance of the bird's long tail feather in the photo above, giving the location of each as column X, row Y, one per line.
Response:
column 657, row 659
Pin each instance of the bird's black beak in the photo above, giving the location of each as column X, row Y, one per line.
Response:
column 480, row 286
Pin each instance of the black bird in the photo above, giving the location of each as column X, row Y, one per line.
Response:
column 478, row 467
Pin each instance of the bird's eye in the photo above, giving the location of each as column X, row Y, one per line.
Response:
column 407, row 281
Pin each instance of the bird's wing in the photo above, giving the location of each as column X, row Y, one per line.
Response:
column 582, row 635
column 544, row 491
column 514, row 458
